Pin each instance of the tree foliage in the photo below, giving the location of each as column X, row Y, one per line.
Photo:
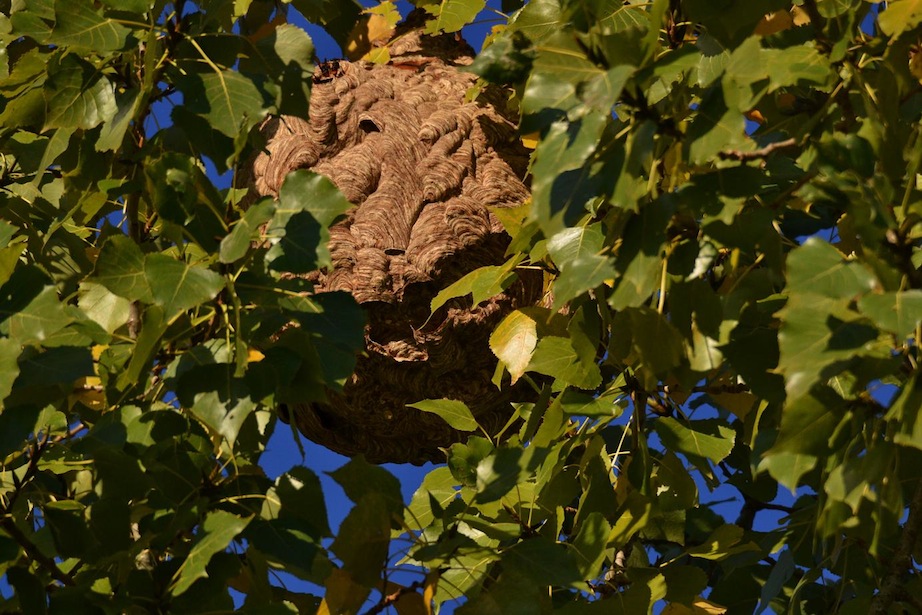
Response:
column 726, row 201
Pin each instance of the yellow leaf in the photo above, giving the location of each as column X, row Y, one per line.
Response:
column 378, row 55
column 531, row 140
column 432, row 584
column 254, row 356
column 703, row 607
column 699, row 607
column 800, row 16
column 88, row 391
column 97, row 350
column 774, row 22
column 369, row 32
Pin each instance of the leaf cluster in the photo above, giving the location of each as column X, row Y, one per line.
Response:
column 726, row 203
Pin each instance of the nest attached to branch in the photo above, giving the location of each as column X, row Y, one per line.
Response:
column 423, row 167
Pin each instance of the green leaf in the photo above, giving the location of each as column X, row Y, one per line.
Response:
column 906, row 413
column 482, row 283
column 900, row 16
column 463, row 459
column 724, row 542
column 640, row 258
column 298, row 494
column 358, row 478
column 363, row 539
column 78, row 26
column 226, row 100
column 134, row 6
column 43, row 317
column 438, row 486
column 287, row 54
column 68, row 525
column 177, row 286
column 715, row 128
column 452, row 15
column 648, row 337
column 103, row 307
column 809, row 421
column 9, row 367
column 120, row 268
column 818, row 338
column 77, row 96
column 796, row 65
column 580, row 275
column 455, row 413
column 556, row 357
column 55, row 366
column 544, row 561
column 245, row 232
column 590, row 544
column 308, row 204
column 818, row 268
column 697, row 439
column 788, row 468
column 218, row 399
column 898, row 312
column 572, row 243
column 214, row 535
column 563, row 181
column 781, row 573
column 514, row 341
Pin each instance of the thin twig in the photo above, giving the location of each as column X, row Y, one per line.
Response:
column 763, row 152
column 389, row 599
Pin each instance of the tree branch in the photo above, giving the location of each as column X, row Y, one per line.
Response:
column 892, row 584
column 33, row 551
column 764, row 152
column 389, row 599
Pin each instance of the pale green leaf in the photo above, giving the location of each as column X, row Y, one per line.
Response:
column 114, row 129
column 514, row 341
column 455, row 413
column 723, row 543
column 900, row 16
column 696, row 439
column 482, row 283
column 245, row 232
column 105, row 308
column 452, row 15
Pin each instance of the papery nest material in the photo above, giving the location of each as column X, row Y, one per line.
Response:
column 423, row 166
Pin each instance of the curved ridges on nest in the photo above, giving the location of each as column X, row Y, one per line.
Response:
column 423, row 166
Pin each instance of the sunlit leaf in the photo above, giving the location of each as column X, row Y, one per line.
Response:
column 455, row 413
column 214, row 535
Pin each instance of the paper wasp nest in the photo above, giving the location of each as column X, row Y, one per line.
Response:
column 423, row 166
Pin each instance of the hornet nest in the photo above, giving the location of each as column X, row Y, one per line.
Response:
column 423, row 167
